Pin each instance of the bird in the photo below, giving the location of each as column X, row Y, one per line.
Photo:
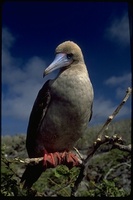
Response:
column 62, row 109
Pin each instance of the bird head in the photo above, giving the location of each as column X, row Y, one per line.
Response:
column 66, row 53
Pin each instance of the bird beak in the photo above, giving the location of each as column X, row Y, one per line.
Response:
column 60, row 61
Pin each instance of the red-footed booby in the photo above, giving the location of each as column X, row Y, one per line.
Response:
column 62, row 109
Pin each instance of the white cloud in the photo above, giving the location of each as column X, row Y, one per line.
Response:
column 119, row 80
column 7, row 38
column 22, row 80
column 120, row 83
column 104, row 107
column 119, row 30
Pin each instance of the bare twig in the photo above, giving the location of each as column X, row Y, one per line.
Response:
column 111, row 117
column 101, row 140
column 105, row 139
column 114, row 139
column 78, row 153
column 30, row 161
column 122, row 147
column 8, row 164
column 113, row 168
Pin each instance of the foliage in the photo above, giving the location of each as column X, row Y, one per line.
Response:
column 9, row 185
column 59, row 180
column 108, row 173
column 104, row 189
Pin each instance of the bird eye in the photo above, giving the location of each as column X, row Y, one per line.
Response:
column 69, row 56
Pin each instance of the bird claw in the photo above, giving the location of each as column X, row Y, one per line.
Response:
column 69, row 159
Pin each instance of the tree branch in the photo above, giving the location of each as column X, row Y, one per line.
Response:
column 101, row 140
column 111, row 117
column 122, row 147
column 114, row 140
column 113, row 168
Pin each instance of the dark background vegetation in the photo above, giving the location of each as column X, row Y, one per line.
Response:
column 108, row 173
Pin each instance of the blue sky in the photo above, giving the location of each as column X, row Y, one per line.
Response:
column 30, row 33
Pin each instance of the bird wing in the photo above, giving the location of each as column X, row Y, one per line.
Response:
column 37, row 114
column 91, row 112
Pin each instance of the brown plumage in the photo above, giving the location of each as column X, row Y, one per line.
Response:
column 62, row 109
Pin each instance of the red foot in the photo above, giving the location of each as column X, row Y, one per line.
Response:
column 57, row 158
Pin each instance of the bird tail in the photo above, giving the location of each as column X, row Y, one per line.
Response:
column 31, row 175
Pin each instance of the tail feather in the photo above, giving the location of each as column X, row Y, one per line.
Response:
column 31, row 175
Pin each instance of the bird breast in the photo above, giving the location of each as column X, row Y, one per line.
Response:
column 68, row 114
